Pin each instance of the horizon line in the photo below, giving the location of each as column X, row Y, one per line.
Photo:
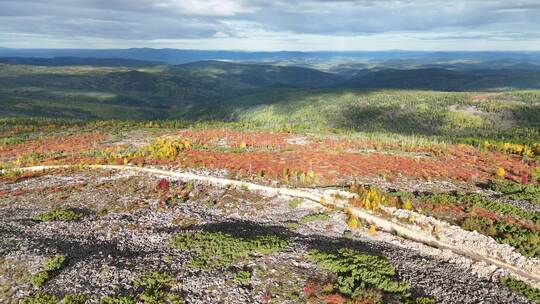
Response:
column 284, row 51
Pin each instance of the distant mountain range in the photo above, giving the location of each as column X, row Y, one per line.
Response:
column 216, row 78
column 176, row 56
column 78, row 61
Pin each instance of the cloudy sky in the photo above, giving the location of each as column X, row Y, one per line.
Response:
column 272, row 24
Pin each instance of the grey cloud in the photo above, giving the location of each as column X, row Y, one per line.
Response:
column 198, row 19
column 353, row 17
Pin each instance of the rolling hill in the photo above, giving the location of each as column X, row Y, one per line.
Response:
column 78, row 61
column 446, row 80
column 387, row 100
column 255, row 75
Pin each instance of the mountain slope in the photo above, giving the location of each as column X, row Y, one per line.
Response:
column 434, row 79
column 252, row 75
column 446, row 80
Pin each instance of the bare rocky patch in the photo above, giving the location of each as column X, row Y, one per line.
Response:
column 128, row 225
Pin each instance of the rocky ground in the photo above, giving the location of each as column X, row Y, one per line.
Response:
column 129, row 221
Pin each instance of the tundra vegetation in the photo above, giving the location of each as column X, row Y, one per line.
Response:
column 468, row 156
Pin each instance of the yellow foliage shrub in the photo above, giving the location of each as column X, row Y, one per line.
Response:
column 369, row 199
column 523, row 150
column 372, row 230
column 500, row 172
column 407, row 205
column 352, row 222
column 165, row 148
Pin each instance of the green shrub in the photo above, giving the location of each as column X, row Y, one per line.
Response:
column 152, row 288
column 525, row 241
column 216, row 249
column 51, row 265
column 155, row 288
column 63, row 215
column 423, row 301
column 40, row 298
column 175, row 200
column 74, row 299
column 504, row 209
column 294, row 203
column 290, row 225
column 536, row 174
column 39, row 279
column 118, row 300
column 55, row 263
column 12, row 140
column 209, row 203
column 461, row 121
column 243, row 277
column 153, row 281
column 469, row 202
column 9, row 172
column 314, row 218
column 102, row 212
column 516, row 191
column 356, row 272
column 522, row 288
column 362, row 278
column 514, row 233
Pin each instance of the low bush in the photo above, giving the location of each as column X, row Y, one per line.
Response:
column 74, row 299
column 40, row 298
column 527, row 242
column 215, row 249
column 363, row 276
column 531, row 293
column 516, row 191
column 469, row 202
column 369, row 198
column 155, row 288
column 55, row 263
column 505, row 223
column 164, row 149
column 51, row 266
column 173, row 193
column 504, row 209
column 536, row 171
column 314, row 218
column 357, row 271
column 63, row 215
column 8, row 171
column 39, row 279
column 243, row 277
column 294, row 203
column 118, row 300
column 518, row 149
